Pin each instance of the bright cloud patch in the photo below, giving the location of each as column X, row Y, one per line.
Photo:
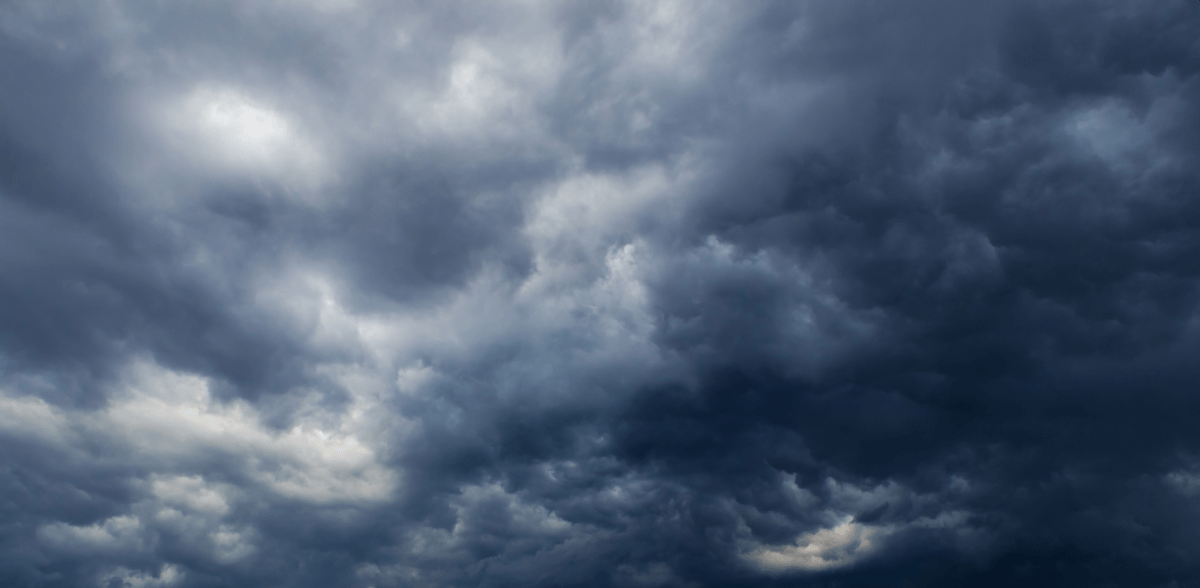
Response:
column 229, row 131
column 839, row 546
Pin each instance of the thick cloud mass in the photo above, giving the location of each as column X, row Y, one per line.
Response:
column 635, row 294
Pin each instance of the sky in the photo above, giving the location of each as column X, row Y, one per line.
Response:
column 620, row 293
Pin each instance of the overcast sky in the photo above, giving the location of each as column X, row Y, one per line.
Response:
column 619, row 293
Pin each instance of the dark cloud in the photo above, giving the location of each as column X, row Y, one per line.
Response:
column 343, row 293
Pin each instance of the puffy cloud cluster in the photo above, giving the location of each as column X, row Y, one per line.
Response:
column 622, row 293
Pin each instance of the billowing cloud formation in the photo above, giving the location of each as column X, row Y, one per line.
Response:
column 622, row 293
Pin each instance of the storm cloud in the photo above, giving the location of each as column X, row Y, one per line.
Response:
column 619, row 293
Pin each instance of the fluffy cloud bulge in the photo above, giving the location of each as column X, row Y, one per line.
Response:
column 623, row 293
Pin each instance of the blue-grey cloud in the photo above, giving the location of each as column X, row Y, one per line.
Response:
column 366, row 294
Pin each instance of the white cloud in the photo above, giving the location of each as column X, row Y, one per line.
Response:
column 842, row 541
column 169, row 422
column 190, row 492
column 219, row 129
column 35, row 419
column 1184, row 482
column 168, row 575
column 839, row 546
column 168, row 417
column 116, row 535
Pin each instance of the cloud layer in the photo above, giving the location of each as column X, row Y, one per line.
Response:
column 631, row 294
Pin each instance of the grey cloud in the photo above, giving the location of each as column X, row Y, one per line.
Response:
column 338, row 293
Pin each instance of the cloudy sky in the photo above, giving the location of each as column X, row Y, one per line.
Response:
column 342, row 293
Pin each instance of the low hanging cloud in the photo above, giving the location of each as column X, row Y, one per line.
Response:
column 631, row 294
